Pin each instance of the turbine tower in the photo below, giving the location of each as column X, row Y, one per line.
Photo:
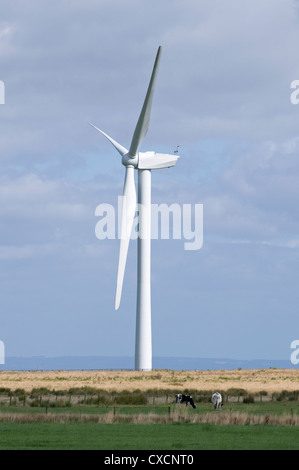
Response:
column 144, row 162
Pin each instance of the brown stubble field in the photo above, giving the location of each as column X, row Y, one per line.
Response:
column 253, row 381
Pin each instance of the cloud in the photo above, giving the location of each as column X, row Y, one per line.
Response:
column 223, row 95
column 216, row 77
column 25, row 252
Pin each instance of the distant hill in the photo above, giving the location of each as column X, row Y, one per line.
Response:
column 127, row 363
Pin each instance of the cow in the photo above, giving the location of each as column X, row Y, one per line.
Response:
column 217, row 400
column 181, row 398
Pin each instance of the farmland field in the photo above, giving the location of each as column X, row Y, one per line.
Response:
column 92, row 436
column 121, row 410
column 271, row 380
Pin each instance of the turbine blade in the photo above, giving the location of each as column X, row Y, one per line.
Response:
column 122, row 150
column 144, row 118
column 127, row 218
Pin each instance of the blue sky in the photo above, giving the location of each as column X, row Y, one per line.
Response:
column 223, row 95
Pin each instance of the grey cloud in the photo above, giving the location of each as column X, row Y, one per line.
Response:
column 223, row 95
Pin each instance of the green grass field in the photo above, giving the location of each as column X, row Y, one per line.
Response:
column 126, row 436
column 258, row 408
column 73, row 435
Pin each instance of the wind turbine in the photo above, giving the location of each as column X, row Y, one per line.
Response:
column 144, row 162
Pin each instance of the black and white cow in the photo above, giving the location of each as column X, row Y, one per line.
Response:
column 217, row 400
column 181, row 398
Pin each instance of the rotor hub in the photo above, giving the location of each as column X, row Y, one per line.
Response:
column 127, row 160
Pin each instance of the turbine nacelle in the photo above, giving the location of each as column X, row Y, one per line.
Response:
column 149, row 160
column 155, row 161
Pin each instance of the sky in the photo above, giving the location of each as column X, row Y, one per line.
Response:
column 223, row 94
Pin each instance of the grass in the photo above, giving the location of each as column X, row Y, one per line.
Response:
column 126, row 436
column 131, row 427
column 272, row 380
column 275, row 408
column 124, row 410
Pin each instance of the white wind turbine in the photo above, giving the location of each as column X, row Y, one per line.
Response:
column 144, row 162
